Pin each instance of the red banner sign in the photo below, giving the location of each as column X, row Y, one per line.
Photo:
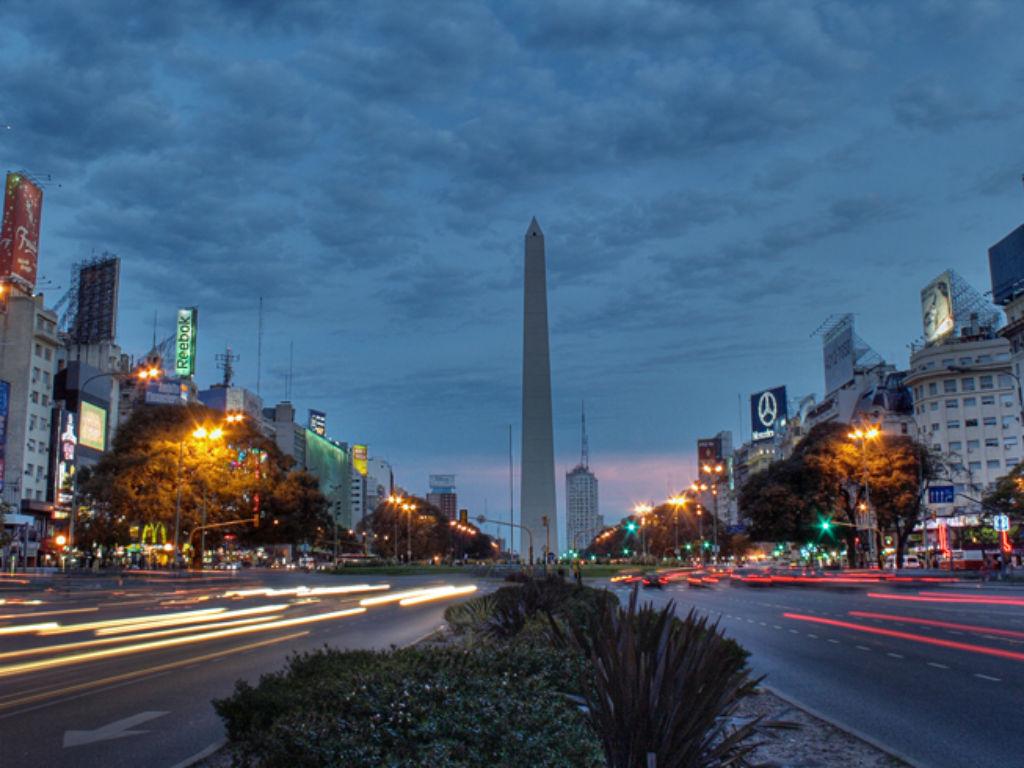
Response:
column 19, row 233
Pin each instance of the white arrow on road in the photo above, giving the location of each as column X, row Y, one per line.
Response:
column 115, row 730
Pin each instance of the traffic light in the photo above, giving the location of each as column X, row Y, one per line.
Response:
column 826, row 525
column 631, row 526
column 256, row 520
column 464, row 516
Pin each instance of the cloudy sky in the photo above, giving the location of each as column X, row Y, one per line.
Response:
column 714, row 181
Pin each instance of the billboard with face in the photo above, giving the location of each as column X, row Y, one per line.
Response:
column 19, row 233
column 768, row 413
column 937, row 315
column 318, row 422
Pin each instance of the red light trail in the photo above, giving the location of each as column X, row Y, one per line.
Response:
column 1015, row 656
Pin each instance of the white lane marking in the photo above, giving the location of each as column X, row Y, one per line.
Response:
column 812, row 636
column 863, row 648
column 831, row 640
column 776, row 626
column 795, row 631
column 987, row 677
column 892, row 655
column 115, row 730
column 200, row 755
column 937, row 665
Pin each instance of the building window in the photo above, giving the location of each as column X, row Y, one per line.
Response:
column 949, row 362
column 35, row 375
column 47, row 353
column 992, row 464
column 973, row 445
column 935, row 427
column 988, row 399
column 1006, row 400
column 970, row 402
column 31, row 444
column 970, row 422
column 1009, row 422
column 949, row 385
column 984, row 358
column 956, row 445
column 974, row 466
column 1009, row 443
column 934, row 405
column 966, row 361
column 35, row 397
column 933, row 388
column 39, row 350
column 46, row 399
column 1012, row 461
column 29, row 468
column 991, row 442
column 952, row 403
column 39, row 472
column 32, row 421
column 46, row 378
column 1003, row 356
column 989, row 421
column 987, row 382
column 967, row 384
column 955, row 424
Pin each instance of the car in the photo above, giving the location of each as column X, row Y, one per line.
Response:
column 656, row 580
column 909, row 561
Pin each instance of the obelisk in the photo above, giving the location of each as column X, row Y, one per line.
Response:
column 537, row 488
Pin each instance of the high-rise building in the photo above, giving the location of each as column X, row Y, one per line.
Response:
column 581, row 507
column 537, row 483
column 442, row 495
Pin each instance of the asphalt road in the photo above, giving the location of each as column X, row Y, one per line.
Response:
column 123, row 674
column 932, row 674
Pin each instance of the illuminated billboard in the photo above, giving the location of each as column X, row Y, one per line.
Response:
column 5, row 401
column 92, row 427
column 318, row 422
column 359, row 458
column 709, row 449
column 937, row 308
column 768, row 413
column 19, row 233
column 332, row 466
column 185, row 342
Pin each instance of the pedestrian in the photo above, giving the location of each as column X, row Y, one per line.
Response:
column 577, row 572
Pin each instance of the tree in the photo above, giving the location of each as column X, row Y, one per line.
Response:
column 157, row 472
column 820, row 488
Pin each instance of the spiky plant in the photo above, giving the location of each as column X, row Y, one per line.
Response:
column 663, row 687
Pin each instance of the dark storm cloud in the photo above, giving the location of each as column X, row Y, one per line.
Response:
column 935, row 105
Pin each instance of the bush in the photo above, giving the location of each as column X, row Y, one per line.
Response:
column 662, row 686
column 411, row 707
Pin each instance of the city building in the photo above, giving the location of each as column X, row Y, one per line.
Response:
column 380, row 482
column 582, row 518
column 230, row 399
column 28, row 360
column 967, row 409
column 443, row 496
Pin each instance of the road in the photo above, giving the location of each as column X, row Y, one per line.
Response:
column 123, row 675
column 932, row 674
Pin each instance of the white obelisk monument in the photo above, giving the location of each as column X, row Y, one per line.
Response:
column 537, row 490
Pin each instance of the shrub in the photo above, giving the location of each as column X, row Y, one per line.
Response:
column 662, row 686
column 412, row 707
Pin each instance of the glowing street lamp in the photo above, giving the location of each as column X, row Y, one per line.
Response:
column 199, row 433
column 862, row 435
column 641, row 511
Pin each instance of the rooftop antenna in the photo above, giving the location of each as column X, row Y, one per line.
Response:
column 259, row 349
column 224, row 362
column 154, row 329
column 288, row 379
column 585, row 453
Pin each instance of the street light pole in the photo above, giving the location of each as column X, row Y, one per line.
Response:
column 529, row 533
column 862, row 435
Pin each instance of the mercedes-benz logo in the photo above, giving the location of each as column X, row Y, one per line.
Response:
column 767, row 409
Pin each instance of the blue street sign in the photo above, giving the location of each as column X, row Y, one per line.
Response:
column 941, row 494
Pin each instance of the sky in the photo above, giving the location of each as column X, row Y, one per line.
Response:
column 714, row 181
